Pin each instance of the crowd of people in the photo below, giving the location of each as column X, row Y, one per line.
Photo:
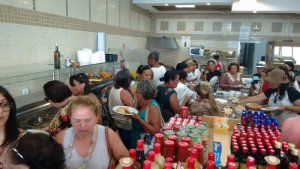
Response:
column 76, row 138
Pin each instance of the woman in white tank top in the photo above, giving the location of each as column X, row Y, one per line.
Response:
column 85, row 144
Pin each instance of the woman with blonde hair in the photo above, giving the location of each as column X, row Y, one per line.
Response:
column 87, row 144
column 205, row 103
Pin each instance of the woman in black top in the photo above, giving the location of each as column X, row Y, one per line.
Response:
column 210, row 71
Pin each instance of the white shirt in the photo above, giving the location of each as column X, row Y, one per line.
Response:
column 183, row 91
column 194, row 75
column 158, row 72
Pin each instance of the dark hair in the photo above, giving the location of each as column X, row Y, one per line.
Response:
column 142, row 68
column 182, row 75
column 57, row 91
column 154, row 55
column 39, row 151
column 11, row 126
column 211, row 61
column 147, row 89
column 123, row 79
column 291, row 64
column 81, row 78
column 181, row 66
column 196, row 63
column 216, row 57
column 234, row 64
column 170, row 75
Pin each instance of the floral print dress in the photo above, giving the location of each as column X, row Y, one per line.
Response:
column 60, row 121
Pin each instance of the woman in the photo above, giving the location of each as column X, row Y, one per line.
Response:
column 86, row 144
column 149, row 118
column 183, row 66
column 279, row 95
column 232, row 79
column 121, row 95
column 60, row 100
column 8, row 122
column 205, row 103
column 210, row 71
column 194, row 73
column 144, row 72
column 80, row 85
column 36, row 150
column 184, row 94
column 167, row 97
column 290, row 67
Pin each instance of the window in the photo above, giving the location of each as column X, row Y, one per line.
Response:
column 286, row 51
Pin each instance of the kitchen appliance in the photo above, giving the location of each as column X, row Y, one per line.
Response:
column 196, row 51
column 111, row 57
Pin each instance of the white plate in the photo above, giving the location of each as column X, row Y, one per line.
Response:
column 269, row 108
column 130, row 109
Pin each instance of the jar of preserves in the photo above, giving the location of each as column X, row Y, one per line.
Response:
column 184, row 113
column 183, row 152
column 169, row 149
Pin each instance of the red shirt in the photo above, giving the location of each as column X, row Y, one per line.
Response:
column 218, row 66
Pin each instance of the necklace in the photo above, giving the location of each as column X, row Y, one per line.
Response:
column 90, row 151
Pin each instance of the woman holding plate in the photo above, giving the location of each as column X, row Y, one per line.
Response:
column 280, row 95
column 149, row 118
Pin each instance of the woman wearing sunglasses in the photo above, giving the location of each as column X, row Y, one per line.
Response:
column 280, row 95
column 58, row 95
column 8, row 122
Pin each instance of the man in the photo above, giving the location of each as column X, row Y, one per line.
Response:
column 158, row 70
column 260, row 67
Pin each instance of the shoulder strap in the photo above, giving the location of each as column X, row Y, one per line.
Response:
column 108, row 143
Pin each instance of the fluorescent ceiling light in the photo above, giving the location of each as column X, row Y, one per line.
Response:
column 207, row 3
column 185, row 6
column 166, row 4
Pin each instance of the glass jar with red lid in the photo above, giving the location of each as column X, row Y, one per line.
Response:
column 184, row 113
column 169, row 149
column 186, row 139
column 159, row 138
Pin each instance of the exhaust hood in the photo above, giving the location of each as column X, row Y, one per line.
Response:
column 161, row 43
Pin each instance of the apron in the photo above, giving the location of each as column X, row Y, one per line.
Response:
column 280, row 116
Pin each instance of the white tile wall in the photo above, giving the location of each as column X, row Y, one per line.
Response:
column 116, row 41
column 26, row 4
column 57, row 7
column 125, row 13
column 113, row 12
column 78, row 9
column 147, row 24
column 134, row 20
column 98, row 11
column 142, row 22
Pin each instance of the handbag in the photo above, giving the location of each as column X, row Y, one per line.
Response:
column 112, row 160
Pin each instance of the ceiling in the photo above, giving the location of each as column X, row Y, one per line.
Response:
column 220, row 6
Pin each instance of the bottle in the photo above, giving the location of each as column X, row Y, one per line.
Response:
column 182, row 154
column 132, row 154
column 236, row 152
column 169, row 149
column 193, row 155
column 159, row 138
column 151, row 158
column 56, row 57
column 279, row 155
column 250, row 162
column 140, row 156
column 291, row 147
column 230, row 159
column 184, row 112
column 191, row 163
column 244, row 158
column 211, row 156
column 293, row 166
column 209, row 165
column 159, row 159
column 199, row 148
column 262, row 163
column 231, row 165
column 294, row 158
column 168, row 166
column 146, row 164
column 272, row 162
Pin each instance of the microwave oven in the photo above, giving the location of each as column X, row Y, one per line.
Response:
column 196, row 51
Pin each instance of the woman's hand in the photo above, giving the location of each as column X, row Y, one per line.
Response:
column 283, row 107
column 135, row 117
